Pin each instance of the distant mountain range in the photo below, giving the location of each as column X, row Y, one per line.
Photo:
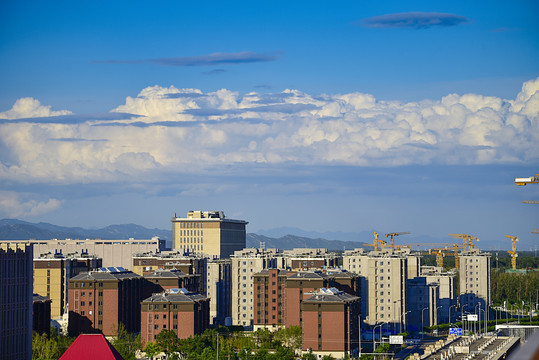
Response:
column 280, row 238
column 13, row 229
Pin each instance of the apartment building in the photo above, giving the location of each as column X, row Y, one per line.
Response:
column 268, row 298
column 474, row 271
column 184, row 312
column 52, row 272
column 383, row 285
column 423, row 303
column 306, row 259
column 100, row 300
column 246, row 263
column 299, row 286
column 209, row 233
column 113, row 252
column 219, row 289
column 447, row 289
column 16, row 300
column 172, row 279
column 331, row 323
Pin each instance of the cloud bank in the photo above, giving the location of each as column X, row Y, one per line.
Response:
column 174, row 132
column 217, row 58
column 414, row 20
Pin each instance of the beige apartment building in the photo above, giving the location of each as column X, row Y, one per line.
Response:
column 474, row 268
column 52, row 272
column 209, row 233
column 384, row 279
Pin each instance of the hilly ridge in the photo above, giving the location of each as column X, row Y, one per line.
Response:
column 13, row 229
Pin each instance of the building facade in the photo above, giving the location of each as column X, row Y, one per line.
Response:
column 16, row 300
column 268, row 298
column 185, row 313
column 422, row 302
column 41, row 314
column 447, row 289
column 474, row 269
column 100, row 300
column 331, row 323
column 52, row 272
column 209, row 233
column 115, row 253
column 245, row 264
column 383, row 285
column 219, row 290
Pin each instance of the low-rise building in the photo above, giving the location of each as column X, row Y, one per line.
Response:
column 172, row 279
column 185, row 313
column 113, row 252
column 447, row 290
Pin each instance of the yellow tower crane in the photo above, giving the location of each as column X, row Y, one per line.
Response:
column 439, row 256
column 456, row 248
column 464, row 238
column 527, row 180
column 530, row 202
column 379, row 244
column 392, row 235
column 513, row 252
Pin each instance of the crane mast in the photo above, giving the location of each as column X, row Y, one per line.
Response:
column 513, row 252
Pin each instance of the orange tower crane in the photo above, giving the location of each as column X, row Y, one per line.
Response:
column 392, row 235
column 513, row 252
column 379, row 244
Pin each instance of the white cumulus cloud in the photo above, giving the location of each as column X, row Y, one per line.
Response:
column 29, row 107
column 185, row 131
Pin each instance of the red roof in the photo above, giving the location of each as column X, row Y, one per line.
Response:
column 91, row 347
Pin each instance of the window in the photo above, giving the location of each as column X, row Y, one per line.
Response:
column 82, row 303
column 82, row 312
column 156, row 327
column 156, row 316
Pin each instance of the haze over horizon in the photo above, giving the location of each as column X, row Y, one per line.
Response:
column 344, row 117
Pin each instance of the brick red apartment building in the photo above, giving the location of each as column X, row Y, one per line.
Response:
column 331, row 322
column 100, row 300
column 278, row 295
column 185, row 313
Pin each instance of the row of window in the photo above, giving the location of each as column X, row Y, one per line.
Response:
column 191, row 232
column 191, row 224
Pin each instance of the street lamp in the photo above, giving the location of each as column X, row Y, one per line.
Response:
column 439, row 307
column 422, row 323
column 374, row 338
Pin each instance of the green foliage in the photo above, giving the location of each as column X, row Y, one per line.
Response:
column 49, row 347
column 151, row 349
column 126, row 343
column 513, row 287
column 308, row 356
column 328, row 357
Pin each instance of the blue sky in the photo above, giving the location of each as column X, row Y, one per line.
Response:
column 342, row 116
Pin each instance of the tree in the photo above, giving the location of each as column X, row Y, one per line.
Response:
column 151, row 349
column 126, row 343
column 308, row 356
column 328, row 357
column 168, row 342
column 290, row 337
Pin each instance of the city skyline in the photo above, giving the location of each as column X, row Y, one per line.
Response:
column 345, row 117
